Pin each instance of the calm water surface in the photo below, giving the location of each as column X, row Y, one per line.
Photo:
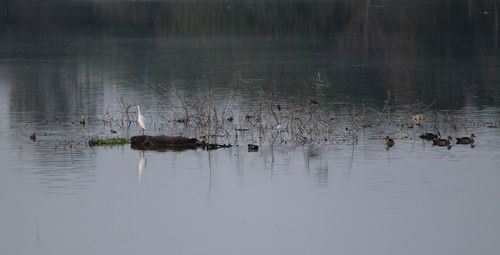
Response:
column 58, row 196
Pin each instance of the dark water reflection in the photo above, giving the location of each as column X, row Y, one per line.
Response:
column 60, row 60
column 419, row 51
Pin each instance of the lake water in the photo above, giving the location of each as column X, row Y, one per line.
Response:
column 345, row 73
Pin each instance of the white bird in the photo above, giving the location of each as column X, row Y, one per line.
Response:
column 140, row 120
column 279, row 128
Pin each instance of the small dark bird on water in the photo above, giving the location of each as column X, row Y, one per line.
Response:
column 113, row 131
column 82, row 121
column 230, row 119
column 33, row 137
column 466, row 140
column 312, row 101
column 388, row 142
column 253, row 148
column 279, row 107
column 429, row 136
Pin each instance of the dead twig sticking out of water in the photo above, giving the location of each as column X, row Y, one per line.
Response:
column 273, row 117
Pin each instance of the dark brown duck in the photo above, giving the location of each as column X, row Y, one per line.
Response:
column 388, row 142
column 442, row 142
column 466, row 140
column 429, row 136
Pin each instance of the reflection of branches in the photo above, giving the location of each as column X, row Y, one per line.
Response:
column 69, row 144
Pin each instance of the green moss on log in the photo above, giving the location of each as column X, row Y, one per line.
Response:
column 108, row 142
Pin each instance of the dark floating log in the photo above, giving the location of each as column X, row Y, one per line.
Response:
column 176, row 143
column 146, row 142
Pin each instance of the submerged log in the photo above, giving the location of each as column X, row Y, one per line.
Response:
column 162, row 143
column 107, row 141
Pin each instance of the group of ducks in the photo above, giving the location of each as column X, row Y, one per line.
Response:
column 436, row 140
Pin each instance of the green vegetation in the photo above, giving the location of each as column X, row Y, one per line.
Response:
column 108, row 141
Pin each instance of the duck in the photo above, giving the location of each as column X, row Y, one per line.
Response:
column 466, row 140
column 429, row 136
column 33, row 137
column 441, row 142
column 388, row 142
column 253, row 148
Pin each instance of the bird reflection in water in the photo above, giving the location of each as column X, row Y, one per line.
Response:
column 141, row 165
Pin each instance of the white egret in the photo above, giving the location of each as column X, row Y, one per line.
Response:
column 140, row 120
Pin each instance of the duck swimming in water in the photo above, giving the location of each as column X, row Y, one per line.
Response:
column 442, row 142
column 253, row 148
column 429, row 136
column 33, row 137
column 388, row 142
column 466, row 140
